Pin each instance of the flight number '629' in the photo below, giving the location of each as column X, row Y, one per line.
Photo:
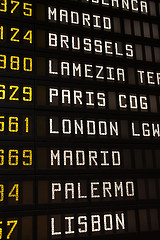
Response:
column 14, row 93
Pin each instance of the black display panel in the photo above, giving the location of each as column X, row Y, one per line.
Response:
column 79, row 119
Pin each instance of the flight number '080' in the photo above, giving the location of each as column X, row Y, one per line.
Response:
column 15, row 63
column 27, row 7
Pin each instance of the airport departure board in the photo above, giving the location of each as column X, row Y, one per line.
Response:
column 79, row 119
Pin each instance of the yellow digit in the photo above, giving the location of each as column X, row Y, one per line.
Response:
column 1, row 157
column 2, row 33
column 14, row 222
column 2, row 91
column 28, row 36
column 3, row 61
column 16, row 88
column 15, row 32
column 13, row 124
column 1, row 230
column 4, row 4
column 1, row 124
column 29, row 60
column 27, row 9
column 27, row 124
column 14, row 193
column 27, row 154
column 16, row 5
column 27, row 91
column 13, row 157
column 1, row 192
column 14, row 63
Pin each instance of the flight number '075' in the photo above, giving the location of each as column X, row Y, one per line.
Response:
column 27, row 7
column 10, row 224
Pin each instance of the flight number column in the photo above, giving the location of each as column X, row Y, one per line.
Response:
column 16, row 119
